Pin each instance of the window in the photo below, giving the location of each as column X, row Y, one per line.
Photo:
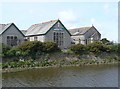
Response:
column 35, row 38
column 15, row 40
column 91, row 39
column 8, row 40
column 58, row 38
column 12, row 40
column 62, row 39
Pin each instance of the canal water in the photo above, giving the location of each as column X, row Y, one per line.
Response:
column 86, row 76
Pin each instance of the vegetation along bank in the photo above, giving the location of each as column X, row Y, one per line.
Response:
column 33, row 54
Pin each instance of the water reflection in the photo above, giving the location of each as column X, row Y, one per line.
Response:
column 87, row 76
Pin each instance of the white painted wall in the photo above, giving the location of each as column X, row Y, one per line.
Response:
column 39, row 38
column 77, row 37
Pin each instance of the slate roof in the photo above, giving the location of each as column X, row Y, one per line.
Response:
column 3, row 27
column 24, row 31
column 79, row 31
column 41, row 28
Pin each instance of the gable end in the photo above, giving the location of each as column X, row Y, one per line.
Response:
column 61, row 24
column 15, row 27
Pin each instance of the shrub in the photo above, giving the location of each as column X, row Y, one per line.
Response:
column 98, row 47
column 78, row 49
column 106, row 41
column 118, row 48
column 13, row 52
column 31, row 45
column 31, row 48
column 5, row 65
column 113, row 48
column 50, row 47
column 5, row 49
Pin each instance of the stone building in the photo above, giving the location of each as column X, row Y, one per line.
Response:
column 50, row 31
column 84, row 35
column 10, row 35
column 53, row 31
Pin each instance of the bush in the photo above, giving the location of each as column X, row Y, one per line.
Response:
column 113, row 48
column 50, row 47
column 5, row 65
column 78, row 49
column 31, row 48
column 5, row 49
column 98, row 47
column 118, row 48
column 106, row 41
column 13, row 52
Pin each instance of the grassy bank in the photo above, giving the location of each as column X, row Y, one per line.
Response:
column 14, row 66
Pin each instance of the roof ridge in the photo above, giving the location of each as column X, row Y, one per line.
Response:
column 4, row 27
column 81, row 27
column 46, row 22
column 85, row 26
column 2, row 24
column 5, row 24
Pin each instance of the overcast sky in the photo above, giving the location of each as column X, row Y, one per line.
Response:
column 103, row 15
